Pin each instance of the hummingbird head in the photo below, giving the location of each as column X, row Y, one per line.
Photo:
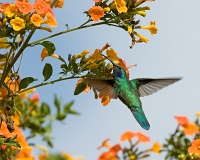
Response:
column 118, row 71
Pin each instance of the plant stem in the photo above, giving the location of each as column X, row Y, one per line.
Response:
column 50, row 82
column 6, row 71
column 66, row 31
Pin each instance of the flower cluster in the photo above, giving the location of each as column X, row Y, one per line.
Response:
column 179, row 145
column 98, row 68
column 131, row 152
column 121, row 13
column 25, row 152
column 189, row 128
column 22, row 15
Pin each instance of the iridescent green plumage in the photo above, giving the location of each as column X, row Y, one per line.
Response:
column 129, row 91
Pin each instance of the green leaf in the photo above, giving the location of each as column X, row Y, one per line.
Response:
column 61, row 116
column 2, row 136
column 47, row 71
column 50, row 143
column 25, row 82
column 13, row 143
column 74, row 67
column 68, row 106
column 44, row 110
column 80, row 87
column 49, row 46
column 57, row 103
column 64, row 66
column 48, row 128
column 73, row 112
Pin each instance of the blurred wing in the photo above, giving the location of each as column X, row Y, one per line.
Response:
column 104, row 86
column 147, row 86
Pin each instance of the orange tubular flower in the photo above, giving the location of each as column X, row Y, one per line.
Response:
column 108, row 156
column 116, row 148
column 104, row 99
column 67, row 156
column 4, row 6
column 45, row 54
column 36, row 19
column 182, row 120
column 39, row 7
column 42, row 7
column 96, row 12
column 59, row 4
column 195, row 148
column 191, row 129
column 24, row 7
column 51, row 20
column 127, row 136
column 43, row 156
column 105, row 144
column 142, row 137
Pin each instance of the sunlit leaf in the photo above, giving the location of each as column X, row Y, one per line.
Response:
column 25, row 82
column 49, row 46
column 57, row 103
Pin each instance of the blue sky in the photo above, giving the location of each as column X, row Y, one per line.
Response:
column 172, row 52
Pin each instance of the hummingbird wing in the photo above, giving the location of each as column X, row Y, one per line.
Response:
column 104, row 86
column 147, row 86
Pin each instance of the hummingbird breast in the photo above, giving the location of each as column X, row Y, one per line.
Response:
column 126, row 93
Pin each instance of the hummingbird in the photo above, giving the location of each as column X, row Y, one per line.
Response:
column 129, row 91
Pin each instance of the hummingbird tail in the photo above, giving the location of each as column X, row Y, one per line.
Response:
column 139, row 115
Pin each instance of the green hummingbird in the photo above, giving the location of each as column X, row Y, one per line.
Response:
column 129, row 91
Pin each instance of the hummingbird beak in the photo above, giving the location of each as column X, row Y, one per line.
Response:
column 109, row 60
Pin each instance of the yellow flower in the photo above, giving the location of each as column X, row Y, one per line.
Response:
column 105, row 144
column 142, row 38
column 82, row 54
column 121, row 6
column 11, row 11
column 96, row 55
column 67, row 156
column 152, row 28
column 156, row 148
column 142, row 13
column 43, row 156
column 130, row 30
column 90, row 64
column 139, row 2
column 51, row 20
column 17, row 23
column 106, row 9
column 197, row 114
column 3, row 39
column 41, row 147
column 36, row 19
column 112, row 54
